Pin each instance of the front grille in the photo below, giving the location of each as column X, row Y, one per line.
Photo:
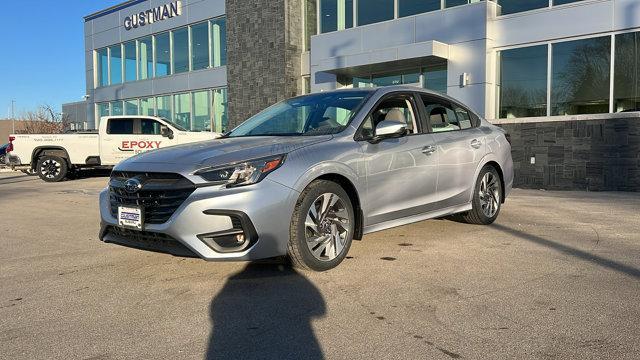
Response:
column 160, row 195
column 148, row 240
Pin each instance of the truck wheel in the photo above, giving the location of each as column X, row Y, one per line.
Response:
column 52, row 168
column 322, row 227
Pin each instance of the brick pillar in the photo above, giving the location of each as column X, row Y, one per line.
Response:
column 264, row 45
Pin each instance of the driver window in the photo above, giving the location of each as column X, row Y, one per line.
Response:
column 396, row 108
column 150, row 127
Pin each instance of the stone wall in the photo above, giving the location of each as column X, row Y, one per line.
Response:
column 594, row 155
column 264, row 45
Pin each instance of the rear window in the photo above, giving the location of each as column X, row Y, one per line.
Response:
column 120, row 126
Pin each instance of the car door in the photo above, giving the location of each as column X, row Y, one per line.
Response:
column 401, row 173
column 129, row 136
column 460, row 147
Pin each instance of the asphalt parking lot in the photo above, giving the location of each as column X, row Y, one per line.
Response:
column 557, row 276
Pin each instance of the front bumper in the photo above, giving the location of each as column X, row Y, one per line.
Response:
column 266, row 208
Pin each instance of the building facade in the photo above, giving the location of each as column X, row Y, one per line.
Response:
column 535, row 67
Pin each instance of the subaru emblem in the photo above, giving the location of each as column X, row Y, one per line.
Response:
column 132, row 186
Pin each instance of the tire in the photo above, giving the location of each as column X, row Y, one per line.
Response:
column 52, row 168
column 322, row 243
column 487, row 198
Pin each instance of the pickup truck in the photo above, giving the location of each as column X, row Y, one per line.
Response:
column 54, row 156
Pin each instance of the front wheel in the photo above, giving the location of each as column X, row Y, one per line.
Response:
column 322, row 226
column 487, row 198
column 52, row 168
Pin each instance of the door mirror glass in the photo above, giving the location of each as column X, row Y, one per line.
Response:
column 390, row 129
column 166, row 132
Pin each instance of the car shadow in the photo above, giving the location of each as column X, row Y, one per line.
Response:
column 265, row 312
column 89, row 173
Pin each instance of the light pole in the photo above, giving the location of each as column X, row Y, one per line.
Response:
column 13, row 117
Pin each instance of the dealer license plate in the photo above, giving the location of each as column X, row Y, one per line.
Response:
column 130, row 217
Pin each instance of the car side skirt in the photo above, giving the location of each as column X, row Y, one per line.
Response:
column 415, row 218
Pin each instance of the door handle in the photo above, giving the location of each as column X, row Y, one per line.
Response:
column 475, row 143
column 428, row 150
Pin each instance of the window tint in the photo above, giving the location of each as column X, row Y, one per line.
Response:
column 627, row 72
column 464, row 118
column 372, row 11
column 442, row 117
column 522, row 83
column 180, row 50
column 120, row 126
column 163, row 55
column 200, row 46
column 412, row 7
column 150, row 127
column 397, row 108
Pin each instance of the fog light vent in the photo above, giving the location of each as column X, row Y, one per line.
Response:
column 238, row 238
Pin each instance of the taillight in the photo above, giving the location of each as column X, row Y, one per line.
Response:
column 10, row 147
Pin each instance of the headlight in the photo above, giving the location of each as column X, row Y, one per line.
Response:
column 242, row 173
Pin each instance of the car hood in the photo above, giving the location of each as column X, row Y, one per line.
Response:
column 219, row 151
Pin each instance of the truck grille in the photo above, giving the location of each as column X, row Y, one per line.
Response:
column 160, row 195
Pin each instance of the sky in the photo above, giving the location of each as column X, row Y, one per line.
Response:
column 42, row 52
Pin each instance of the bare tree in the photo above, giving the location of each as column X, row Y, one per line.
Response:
column 44, row 120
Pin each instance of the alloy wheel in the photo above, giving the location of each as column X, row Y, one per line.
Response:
column 327, row 227
column 489, row 195
column 50, row 168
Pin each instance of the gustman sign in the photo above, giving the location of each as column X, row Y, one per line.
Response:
column 163, row 12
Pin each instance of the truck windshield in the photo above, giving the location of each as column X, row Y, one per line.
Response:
column 178, row 127
column 316, row 114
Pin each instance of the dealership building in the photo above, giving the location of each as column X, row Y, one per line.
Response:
column 562, row 76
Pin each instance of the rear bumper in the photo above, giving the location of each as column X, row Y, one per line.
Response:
column 263, row 211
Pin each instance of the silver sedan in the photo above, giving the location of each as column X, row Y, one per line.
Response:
column 310, row 174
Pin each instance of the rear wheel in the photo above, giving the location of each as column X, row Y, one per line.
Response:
column 322, row 226
column 52, row 168
column 487, row 198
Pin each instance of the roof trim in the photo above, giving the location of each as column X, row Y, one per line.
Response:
column 112, row 9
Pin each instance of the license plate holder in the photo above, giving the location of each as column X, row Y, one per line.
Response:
column 131, row 217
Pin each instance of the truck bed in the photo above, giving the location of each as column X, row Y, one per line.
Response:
column 78, row 146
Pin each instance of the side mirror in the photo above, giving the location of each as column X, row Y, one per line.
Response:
column 166, row 132
column 389, row 129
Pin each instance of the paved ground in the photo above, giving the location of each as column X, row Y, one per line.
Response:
column 558, row 276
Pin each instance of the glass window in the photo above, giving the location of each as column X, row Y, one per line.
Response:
column 120, row 126
column 219, row 109
column 145, row 58
column 150, row 127
column 180, row 50
column 200, row 46
column 103, row 67
column 201, row 116
column 102, row 110
column 336, row 15
column 130, row 61
column 115, row 61
column 372, row 11
column 412, row 7
column 182, row 110
column 581, row 74
column 164, row 107
column 441, row 115
column 116, row 108
column 514, row 6
column 147, row 106
column 522, row 82
column 163, row 55
column 219, row 42
column 362, row 82
column 464, row 117
column 131, row 107
column 398, row 109
column 310, row 22
column 435, row 78
column 561, row 2
column 452, row 3
column 626, row 82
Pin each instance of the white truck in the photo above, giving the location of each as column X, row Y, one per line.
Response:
column 54, row 156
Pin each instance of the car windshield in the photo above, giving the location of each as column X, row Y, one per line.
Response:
column 316, row 114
